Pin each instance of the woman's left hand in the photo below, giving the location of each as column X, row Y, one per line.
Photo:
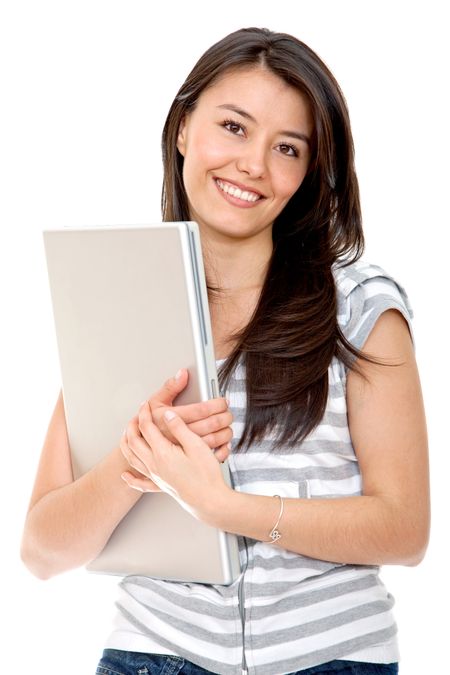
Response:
column 187, row 470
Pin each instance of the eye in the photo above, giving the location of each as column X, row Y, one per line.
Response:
column 234, row 127
column 288, row 149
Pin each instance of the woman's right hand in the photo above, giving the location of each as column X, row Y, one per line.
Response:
column 211, row 420
column 69, row 521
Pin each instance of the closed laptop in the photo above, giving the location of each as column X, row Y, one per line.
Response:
column 130, row 308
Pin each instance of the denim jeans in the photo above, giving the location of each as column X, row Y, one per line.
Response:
column 115, row 662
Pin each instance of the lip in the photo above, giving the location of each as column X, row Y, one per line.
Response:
column 241, row 186
column 235, row 200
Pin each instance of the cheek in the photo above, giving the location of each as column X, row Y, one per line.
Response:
column 213, row 156
column 206, row 154
column 289, row 185
column 203, row 158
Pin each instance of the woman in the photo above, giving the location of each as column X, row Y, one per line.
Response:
column 329, row 456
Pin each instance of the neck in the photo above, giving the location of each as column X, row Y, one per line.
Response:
column 236, row 265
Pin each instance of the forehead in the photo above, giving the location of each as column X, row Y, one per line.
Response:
column 255, row 90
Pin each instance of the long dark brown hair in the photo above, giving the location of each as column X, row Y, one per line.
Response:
column 288, row 344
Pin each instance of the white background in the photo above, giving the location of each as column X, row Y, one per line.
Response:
column 85, row 87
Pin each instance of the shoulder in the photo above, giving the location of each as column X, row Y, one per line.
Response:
column 364, row 292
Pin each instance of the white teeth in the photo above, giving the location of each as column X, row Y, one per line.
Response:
column 245, row 195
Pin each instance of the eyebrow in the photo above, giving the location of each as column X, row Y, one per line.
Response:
column 291, row 134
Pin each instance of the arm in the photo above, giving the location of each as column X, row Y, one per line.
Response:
column 69, row 522
column 389, row 523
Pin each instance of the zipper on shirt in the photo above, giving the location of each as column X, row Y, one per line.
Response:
column 241, row 596
column 241, row 602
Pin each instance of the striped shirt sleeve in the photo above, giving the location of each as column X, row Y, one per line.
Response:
column 364, row 292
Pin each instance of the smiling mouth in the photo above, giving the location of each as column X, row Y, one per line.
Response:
column 232, row 190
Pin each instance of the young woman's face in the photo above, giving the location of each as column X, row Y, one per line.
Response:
column 246, row 151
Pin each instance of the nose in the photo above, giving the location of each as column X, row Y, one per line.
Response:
column 253, row 160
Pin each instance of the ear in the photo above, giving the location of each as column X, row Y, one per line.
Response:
column 181, row 141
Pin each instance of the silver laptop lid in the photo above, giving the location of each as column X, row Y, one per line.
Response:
column 130, row 308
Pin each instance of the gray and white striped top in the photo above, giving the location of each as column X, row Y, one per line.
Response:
column 299, row 612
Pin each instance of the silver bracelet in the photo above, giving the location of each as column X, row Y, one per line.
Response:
column 274, row 534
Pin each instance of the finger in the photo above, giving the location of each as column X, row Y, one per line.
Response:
column 179, row 429
column 222, row 453
column 221, row 437
column 137, row 450
column 132, row 428
column 150, row 431
column 193, row 412
column 170, row 389
column 211, row 424
column 131, row 425
column 140, row 484
column 133, row 460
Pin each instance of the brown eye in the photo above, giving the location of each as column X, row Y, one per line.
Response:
column 287, row 149
column 234, row 127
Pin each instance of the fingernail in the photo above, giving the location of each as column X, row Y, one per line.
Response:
column 134, row 487
column 229, row 446
column 169, row 415
column 228, row 402
column 178, row 374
